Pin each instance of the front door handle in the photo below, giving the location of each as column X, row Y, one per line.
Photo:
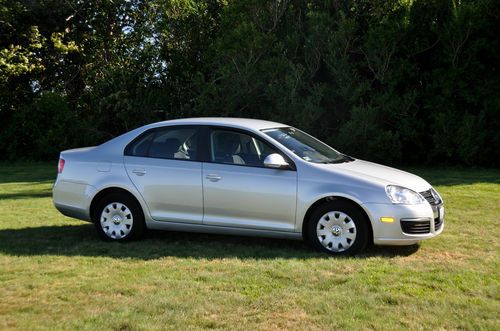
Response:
column 213, row 177
column 139, row 172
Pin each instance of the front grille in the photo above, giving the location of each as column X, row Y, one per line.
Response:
column 416, row 227
column 430, row 197
column 438, row 222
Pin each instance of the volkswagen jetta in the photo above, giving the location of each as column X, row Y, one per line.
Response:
column 243, row 177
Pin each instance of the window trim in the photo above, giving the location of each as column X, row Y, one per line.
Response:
column 208, row 148
column 200, row 142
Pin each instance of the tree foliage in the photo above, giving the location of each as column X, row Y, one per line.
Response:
column 409, row 81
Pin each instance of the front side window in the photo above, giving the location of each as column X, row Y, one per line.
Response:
column 233, row 147
column 166, row 143
column 305, row 146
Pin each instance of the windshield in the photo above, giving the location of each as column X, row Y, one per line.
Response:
column 305, row 146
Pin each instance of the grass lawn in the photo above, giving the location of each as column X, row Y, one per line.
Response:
column 56, row 274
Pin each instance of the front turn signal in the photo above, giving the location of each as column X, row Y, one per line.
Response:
column 387, row 219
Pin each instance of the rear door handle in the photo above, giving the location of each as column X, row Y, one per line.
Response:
column 139, row 172
column 213, row 177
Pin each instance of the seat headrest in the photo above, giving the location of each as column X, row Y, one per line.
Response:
column 227, row 143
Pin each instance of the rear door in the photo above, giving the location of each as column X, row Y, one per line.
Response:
column 239, row 191
column 164, row 166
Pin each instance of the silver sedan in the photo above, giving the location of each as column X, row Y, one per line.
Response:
column 243, row 177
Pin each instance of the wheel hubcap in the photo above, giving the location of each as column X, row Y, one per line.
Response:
column 116, row 220
column 336, row 231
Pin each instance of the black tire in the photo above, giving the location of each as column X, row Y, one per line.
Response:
column 136, row 218
column 343, row 228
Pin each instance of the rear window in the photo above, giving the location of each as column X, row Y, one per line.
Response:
column 166, row 143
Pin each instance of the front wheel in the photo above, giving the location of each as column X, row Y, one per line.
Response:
column 119, row 218
column 338, row 228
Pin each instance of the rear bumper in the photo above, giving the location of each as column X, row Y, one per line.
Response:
column 73, row 199
column 421, row 222
column 72, row 211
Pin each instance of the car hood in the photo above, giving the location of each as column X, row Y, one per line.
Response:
column 378, row 173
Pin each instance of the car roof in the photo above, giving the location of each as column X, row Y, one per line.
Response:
column 246, row 123
column 239, row 123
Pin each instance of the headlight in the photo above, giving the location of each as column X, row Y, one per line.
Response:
column 403, row 195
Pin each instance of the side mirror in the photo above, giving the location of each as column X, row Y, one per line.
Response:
column 275, row 161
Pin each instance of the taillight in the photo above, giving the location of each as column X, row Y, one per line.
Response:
column 61, row 165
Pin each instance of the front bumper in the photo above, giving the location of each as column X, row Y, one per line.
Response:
column 412, row 223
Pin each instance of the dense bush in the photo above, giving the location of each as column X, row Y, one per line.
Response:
column 41, row 129
column 390, row 81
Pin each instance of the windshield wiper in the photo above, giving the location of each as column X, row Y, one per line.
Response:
column 344, row 159
column 335, row 161
column 348, row 158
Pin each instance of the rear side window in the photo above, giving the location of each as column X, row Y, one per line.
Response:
column 167, row 143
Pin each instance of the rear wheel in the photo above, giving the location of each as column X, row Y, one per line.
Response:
column 338, row 228
column 119, row 218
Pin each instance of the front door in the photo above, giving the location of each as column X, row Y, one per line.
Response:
column 238, row 191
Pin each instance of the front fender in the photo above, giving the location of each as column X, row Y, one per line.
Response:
column 304, row 206
column 311, row 189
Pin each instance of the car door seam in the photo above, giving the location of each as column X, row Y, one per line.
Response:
column 202, row 173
